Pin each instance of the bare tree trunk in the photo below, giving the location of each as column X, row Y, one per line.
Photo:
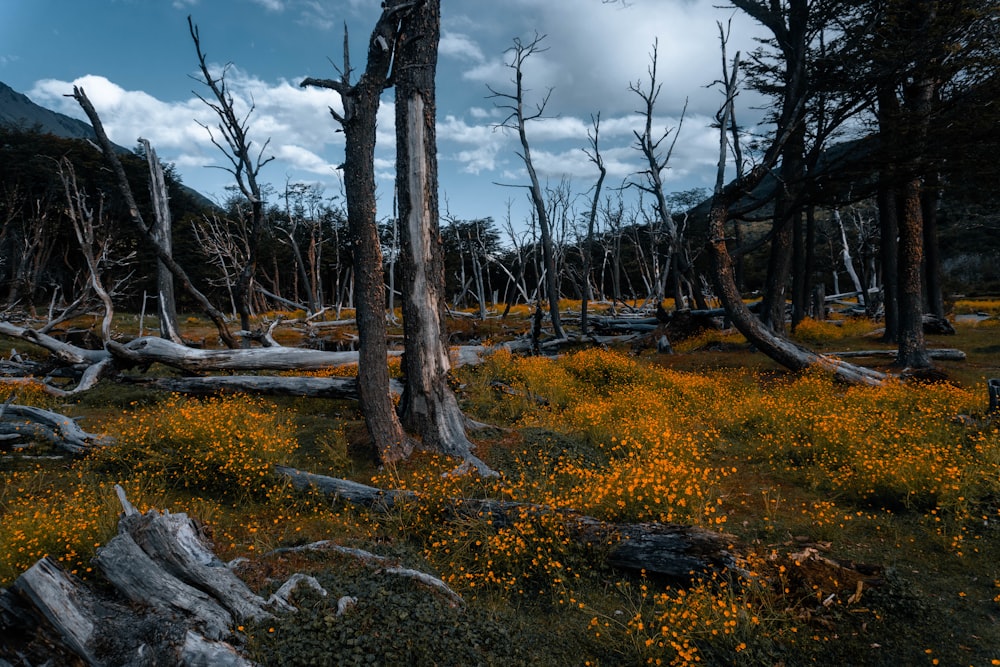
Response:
column 912, row 346
column 429, row 406
column 595, row 156
column 162, row 229
column 361, row 102
column 934, row 291
column 516, row 120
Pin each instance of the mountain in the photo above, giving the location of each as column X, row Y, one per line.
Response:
column 18, row 111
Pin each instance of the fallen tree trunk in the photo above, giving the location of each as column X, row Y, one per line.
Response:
column 333, row 387
column 670, row 550
column 185, row 601
column 158, row 350
column 943, row 354
column 64, row 352
column 58, row 429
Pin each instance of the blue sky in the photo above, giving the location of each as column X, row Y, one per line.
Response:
column 135, row 60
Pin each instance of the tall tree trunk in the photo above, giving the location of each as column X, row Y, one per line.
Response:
column 888, row 208
column 912, row 348
column 162, row 232
column 933, row 289
column 428, row 406
column 361, row 102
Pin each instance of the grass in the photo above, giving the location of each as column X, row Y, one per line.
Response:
column 799, row 469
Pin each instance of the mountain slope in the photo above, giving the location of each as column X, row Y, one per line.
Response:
column 18, row 111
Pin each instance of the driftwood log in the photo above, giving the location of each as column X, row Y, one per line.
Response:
column 670, row 550
column 331, row 387
column 171, row 601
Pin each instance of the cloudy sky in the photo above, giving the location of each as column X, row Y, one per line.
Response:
column 135, row 60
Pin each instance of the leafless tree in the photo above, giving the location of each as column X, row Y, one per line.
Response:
column 86, row 219
column 360, row 108
column 661, row 226
column 144, row 230
column 517, row 120
column 244, row 164
column 162, row 231
column 594, row 154
column 428, row 406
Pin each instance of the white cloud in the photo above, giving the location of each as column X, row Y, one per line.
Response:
column 460, row 46
column 270, row 5
column 295, row 120
column 184, row 4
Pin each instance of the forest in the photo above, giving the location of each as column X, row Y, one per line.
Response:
column 753, row 425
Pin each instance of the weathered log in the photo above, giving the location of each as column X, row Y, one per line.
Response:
column 332, row 387
column 62, row 431
column 144, row 581
column 670, row 550
column 937, row 326
column 149, row 350
column 942, row 354
column 184, row 600
column 178, row 548
column 66, row 353
column 63, row 603
column 993, row 387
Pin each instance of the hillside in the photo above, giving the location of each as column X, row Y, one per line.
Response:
column 19, row 112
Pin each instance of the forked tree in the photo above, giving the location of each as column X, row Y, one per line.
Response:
column 360, row 108
column 244, row 165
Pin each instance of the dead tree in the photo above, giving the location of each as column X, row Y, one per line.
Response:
column 94, row 252
column 662, row 223
column 517, row 120
column 145, row 231
column 429, row 407
column 244, row 165
column 162, row 231
column 594, row 154
column 361, row 102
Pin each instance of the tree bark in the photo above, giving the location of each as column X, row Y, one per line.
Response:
column 361, row 102
column 912, row 345
column 428, row 406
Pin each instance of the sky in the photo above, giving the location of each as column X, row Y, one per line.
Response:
column 136, row 61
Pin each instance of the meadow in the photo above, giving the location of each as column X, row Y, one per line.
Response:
column 861, row 516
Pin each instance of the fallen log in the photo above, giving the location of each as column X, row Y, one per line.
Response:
column 670, row 550
column 312, row 387
column 64, row 352
column 144, row 351
column 941, row 354
column 184, row 602
column 60, row 430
